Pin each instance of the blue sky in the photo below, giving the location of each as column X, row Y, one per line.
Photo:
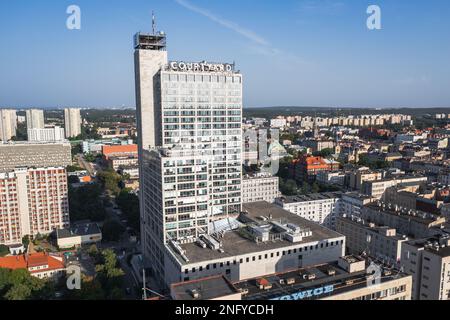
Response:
column 291, row 52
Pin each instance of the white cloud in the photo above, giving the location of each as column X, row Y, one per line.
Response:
column 252, row 36
column 258, row 44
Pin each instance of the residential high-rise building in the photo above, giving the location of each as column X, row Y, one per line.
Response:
column 35, row 119
column 8, row 124
column 33, row 201
column 46, row 135
column 72, row 122
column 189, row 119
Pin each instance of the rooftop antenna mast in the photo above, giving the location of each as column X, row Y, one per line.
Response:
column 153, row 23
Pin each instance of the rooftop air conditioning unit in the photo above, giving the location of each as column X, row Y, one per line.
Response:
column 195, row 294
column 290, row 281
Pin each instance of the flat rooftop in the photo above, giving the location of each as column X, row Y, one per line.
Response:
column 442, row 250
column 357, row 195
column 310, row 197
column 206, row 288
column 418, row 216
column 372, row 227
column 329, row 274
column 235, row 244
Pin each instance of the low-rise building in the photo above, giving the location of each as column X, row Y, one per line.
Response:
column 428, row 261
column 260, row 187
column 318, row 145
column 306, row 168
column 119, row 150
column 95, row 146
column 116, row 162
column 331, row 177
column 82, row 233
column 321, row 208
column 347, row 278
column 377, row 188
column 264, row 239
column 380, row 242
column 364, row 174
column 412, row 223
column 41, row 265
column 278, row 123
column 351, row 203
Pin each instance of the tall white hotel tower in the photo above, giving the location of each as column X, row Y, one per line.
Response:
column 189, row 119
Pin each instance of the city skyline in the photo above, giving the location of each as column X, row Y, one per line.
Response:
column 300, row 53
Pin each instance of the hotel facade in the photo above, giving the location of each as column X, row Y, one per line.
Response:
column 189, row 123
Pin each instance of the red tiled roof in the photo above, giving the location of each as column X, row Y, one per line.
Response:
column 31, row 260
column 118, row 149
column 13, row 262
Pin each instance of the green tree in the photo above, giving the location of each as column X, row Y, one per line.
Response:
column 73, row 179
column 110, row 275
column 110, row 180
column 72, row 168
column 325, row 153
column 26, row 241
column 4, row 250
column 112, row 230
column 18, row 292
column 21, row 132
column 306, row 188
column 315, row 188
column 289, row 187
column 90, row 157
column 85, row 203
column 20, row 285
column 129, row 205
